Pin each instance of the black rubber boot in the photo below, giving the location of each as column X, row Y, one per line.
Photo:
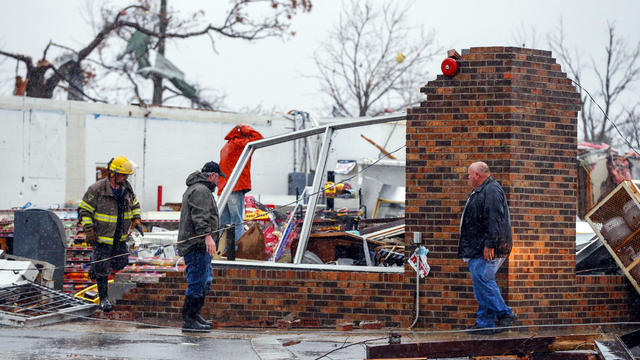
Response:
column 103, row 292
column 231, row 244
column 199, row 317
column 189, row 322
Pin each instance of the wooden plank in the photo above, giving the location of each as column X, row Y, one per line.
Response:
column 491, row 347
column 461, row 348
column 634, row 263
column 574, row 342
column 377, row 228
column 627, row 239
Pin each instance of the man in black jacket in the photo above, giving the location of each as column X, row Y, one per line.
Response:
column 485, row 242
column 199, row 221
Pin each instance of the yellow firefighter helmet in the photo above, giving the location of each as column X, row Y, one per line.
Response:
column 121, row 165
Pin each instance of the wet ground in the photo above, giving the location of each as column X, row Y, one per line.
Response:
column 52, row 344
column 93, row 339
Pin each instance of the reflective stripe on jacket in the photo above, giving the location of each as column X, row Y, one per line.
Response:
column 99, row 210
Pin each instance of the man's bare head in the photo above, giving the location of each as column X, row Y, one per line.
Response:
column 478, row 172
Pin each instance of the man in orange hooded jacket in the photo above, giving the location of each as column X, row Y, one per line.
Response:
column 233, row 213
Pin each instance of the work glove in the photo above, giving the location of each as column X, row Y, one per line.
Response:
column 137, row 224
column 90, row 236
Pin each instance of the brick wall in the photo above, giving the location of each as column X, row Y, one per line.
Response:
column 516, row 110
column 512, row 108
column 241, row 294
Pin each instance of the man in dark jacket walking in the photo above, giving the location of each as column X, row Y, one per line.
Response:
column 199, row 222
column 485, row 242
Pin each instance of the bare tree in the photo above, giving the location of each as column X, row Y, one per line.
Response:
column 244, row 19
column 163, row 22
column 373, row 60
column 124, row 70
column 620, row 71
column 632, row 130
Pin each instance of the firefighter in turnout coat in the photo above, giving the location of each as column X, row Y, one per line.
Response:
column 107, row 210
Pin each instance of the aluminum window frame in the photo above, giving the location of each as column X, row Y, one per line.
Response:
column 328, row 131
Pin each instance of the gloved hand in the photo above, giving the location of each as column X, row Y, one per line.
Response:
column 137, row 224
column 90, row 236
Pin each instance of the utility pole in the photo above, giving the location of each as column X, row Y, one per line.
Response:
column 157, row 80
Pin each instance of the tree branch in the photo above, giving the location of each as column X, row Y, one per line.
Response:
column 357, row 63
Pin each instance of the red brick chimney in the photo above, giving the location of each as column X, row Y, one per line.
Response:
column 514, row 109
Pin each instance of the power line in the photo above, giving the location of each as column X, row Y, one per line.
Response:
column 606, row 117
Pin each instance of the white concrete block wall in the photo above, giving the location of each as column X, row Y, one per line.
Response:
column 107, row 136
column 270, row 166
column 75, row 153
column 57, row 145
column 11, row 158
column 32, row 157
column 174, row 150
column 46, row 137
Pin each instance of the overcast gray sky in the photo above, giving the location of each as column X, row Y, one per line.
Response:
column 271, row 72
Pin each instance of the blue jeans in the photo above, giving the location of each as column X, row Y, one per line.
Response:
column 490, row 303
column 199, row 273
column 233, row 213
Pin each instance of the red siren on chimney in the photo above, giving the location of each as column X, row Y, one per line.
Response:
column 450, row 65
